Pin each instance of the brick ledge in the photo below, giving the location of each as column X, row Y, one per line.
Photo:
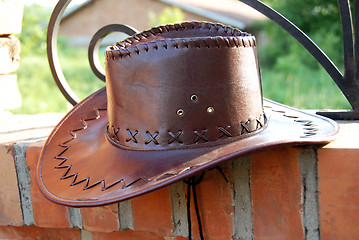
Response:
column 279, row 193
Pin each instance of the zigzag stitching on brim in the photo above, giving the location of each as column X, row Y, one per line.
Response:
column 86, row 180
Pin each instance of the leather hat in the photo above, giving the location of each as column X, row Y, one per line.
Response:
column 179, row 99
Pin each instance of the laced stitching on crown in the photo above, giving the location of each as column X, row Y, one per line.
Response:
column 237, row 39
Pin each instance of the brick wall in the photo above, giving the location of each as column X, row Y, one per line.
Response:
column 282, row 193
column 101, row 13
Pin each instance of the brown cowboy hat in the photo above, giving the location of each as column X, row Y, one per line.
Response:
column 180, row 99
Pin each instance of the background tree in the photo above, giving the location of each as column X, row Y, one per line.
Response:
column 319, row 19
column 168, row 15
column 34, row 26
column 290, row 74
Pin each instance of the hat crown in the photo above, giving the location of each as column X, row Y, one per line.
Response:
column 183, row 85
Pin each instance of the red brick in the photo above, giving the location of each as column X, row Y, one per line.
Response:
column 10, row 208
column 276, row 194
column 127, row 235
column 215, row 202
column 101, row 219
column 36, row 233
column 46, row 213
column 338, row 193
column 153, row 212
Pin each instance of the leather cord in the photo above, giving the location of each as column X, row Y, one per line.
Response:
column 191, row 184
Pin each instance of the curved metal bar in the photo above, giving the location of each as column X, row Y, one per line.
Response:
column 52, row 56
column 302, row 38
column 52, row 32
column 95, row 45
column 350, row 80
column 347, row 28
column 356, row 42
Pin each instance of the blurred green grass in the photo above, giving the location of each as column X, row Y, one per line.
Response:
column 304, row 89
column 38, row 89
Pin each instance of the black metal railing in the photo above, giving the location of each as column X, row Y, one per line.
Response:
column 347, row 83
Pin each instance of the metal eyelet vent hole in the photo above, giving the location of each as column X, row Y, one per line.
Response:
column 194, row 98
column 180, row 112
column 210, row 109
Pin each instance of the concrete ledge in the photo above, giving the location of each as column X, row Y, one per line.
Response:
column 10, row 97
column 348, row 135
column 282, row 193
column 11, row 12
column 31, row 128
column 9, row 53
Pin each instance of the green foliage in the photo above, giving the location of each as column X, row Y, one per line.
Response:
column 168, row 15
column 319, row 19
column 37, row 86
column 305, row 88
column 38, row 89
column 308, row 15
column 76, row 68
column 286, row 63
column 33, row 34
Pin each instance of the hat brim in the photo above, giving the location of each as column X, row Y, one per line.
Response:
column 80, row 167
